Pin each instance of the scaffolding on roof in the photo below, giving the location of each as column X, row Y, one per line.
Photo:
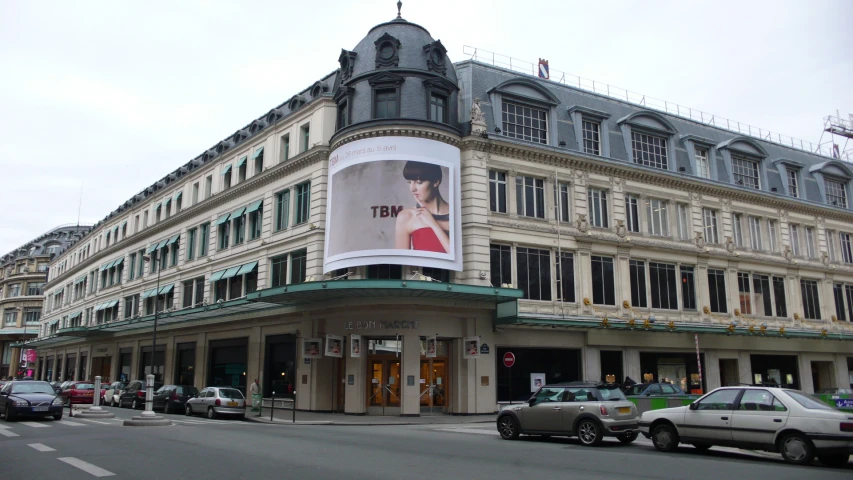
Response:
column 838, row 127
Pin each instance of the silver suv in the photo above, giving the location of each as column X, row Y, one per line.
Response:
column 588, row 410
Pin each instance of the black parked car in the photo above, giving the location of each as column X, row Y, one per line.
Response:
column 29, row 398
column 134, row 395
column 172, row 398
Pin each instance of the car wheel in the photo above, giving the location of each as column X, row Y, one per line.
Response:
column 702, row 447
column 211, row 413
column 188, row 411
column 796, row 449
column 665, row 438
column 58, row 416
column 10, row 416
column 113, row 402
column 589, row 433
column 166, row 408
column 134, row 404
column 628, row 438
column 835, row 461
column 508, row 428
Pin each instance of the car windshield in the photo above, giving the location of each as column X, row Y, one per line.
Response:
column 635, row 390
column 808, row 401
column 187, row 390
column 42, row 387
column 230, row 393
column 611, row 393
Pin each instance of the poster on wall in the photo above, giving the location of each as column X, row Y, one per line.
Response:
column 430, row 347
column 394, row 200
column 537, row 381
column 311, row 348
column 471, row 346
column 355, row 346
column 334, row 346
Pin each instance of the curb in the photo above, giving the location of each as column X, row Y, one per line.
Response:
column 354, row 424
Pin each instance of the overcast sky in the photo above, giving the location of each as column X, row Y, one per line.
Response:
column 114, row 97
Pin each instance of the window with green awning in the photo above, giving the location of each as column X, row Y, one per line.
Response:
column 216, row 276
column 111, row 303
column 159, row 204
column 174, row 239
column 117, row 262
column 105, row 266
column 162, row 244
column 178, row 196
column 151, row 248
column 230, row 272
column 227, row 169
column 242, row 161
column 164, row 290
column 238, row 212
column 254, row 206
column 75, row 315
column 148, row 293
column 247, row 268
column 224, row 218
column 258, row 153
column 123, row 224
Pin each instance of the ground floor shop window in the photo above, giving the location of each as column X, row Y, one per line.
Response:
column 70, row 365
column 185, row 364
column 679, row 369
column 557, row 364
column 611, row 366
column 280, row 369
column 84, row 358
column 124, row 359
column 227, row 367
column 778, row 370
column 159, row 363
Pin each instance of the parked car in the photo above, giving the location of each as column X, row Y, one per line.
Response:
column 172, row 398
column 790, row 422
column 29, row 399
column 654, row 390
column 134, row 395
column 215, row 401
column 79, row 392
column 588, row 410
column 57, row 387
column 835, row 391
column 112, row 393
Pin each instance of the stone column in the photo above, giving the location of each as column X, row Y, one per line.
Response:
column 354, row 398
column 200, row 359
column 591, row 364
column 732, row 287
column 631, row 364
column 411, row 370
column 623, row 279
column 804, row 365
column 793, row 294
column 703, row 296
column 584, row 269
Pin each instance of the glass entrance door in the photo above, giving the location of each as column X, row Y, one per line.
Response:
column 434, row 386
column 383, row 391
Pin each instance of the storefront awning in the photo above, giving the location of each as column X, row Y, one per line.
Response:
column 148, row 293
column 162, row 244
column 230, row 272
column 242, row 161
column 320, row 291
column 216, row 276
column 173, row 239
column 258, row 153
column 151, row 248
column 166, row 289
column 118, row 262
column 247, row 268
column 254, row 206
column 238, row 212
column 224, row 218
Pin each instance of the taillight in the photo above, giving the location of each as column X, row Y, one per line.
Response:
column 174, row 396
column 847, row 426
column 218, row 403
column 140, row 393
column 603, row 410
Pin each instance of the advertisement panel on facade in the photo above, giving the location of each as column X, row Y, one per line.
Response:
column 394, row 200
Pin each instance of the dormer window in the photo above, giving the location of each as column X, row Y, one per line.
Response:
column 648, row 136
column 745, row 172
column 702, row 162
column 649, row 150
column 524, row 122
column 742, row 159
column 793, row 183
column 836, row 193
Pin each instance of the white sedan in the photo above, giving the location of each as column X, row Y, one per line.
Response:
column 790, row 422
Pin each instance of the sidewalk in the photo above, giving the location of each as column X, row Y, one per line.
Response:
column 281, row 415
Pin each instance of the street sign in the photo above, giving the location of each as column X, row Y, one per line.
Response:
column 509, row 359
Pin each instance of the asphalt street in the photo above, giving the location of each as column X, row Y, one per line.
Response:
column 198, row 448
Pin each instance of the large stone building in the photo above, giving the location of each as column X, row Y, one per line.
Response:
column 23, row 273
column 599, row 240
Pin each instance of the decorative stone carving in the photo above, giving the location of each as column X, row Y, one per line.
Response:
column 435, row 57
column 387, row 51
column 621, row 231
column 614, row 181
column 730, row 245
column 783, row 215
column 824, row 259
column 478, row 120
column 696, row 196
column 582, row 224
column 726, row 202
column 788, row 253
column 699, row 240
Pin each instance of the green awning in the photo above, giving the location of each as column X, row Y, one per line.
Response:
column 216, row 276
column 247, row 268
column 162, row 244
column 123, row 223
column 238, row 212
column 178, row 196
column 230, row 272
column 105, row 266
column 254, row 206
column 148, row 293
column 54, row 322
column 258, row 153
column 98, row 307
column 75, row 315
column 151, row 248
column 224, row 218
column 227, row 169
column 174, row 239
column 166, row 289
column 79, row 279
column 111, row 304
column 242, row 162
column 159, row 204
column 118, row 262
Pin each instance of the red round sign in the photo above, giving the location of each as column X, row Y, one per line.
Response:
column 509, row 359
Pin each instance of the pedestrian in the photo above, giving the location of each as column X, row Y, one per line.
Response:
column 255, row 395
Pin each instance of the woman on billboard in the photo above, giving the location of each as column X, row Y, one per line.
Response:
column 425, row 227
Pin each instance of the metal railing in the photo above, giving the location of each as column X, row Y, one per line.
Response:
column 529, row 68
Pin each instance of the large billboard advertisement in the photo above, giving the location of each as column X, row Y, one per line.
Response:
column 394, row 200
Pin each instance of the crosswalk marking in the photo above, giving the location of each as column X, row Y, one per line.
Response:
column 34, row 424
column 70, row 423
column 87, row 467
column 96, row 421
column 8, row 433
column 41, row 447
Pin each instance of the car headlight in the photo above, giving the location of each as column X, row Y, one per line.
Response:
column 57, row 401
column 21, row 403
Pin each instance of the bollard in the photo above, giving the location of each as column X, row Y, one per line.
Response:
column 95, row 411
column 294, row 406
column 96, row 395
column 272, row 405
column 149, row 396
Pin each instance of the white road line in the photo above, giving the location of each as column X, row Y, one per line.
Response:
column 34, row 424
column 70, row 423
column 8, row 433
column 479, row 431
column 41, row 447
column 96, row 421
column 86, row 467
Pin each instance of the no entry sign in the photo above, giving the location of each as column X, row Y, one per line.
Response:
column 509, row 359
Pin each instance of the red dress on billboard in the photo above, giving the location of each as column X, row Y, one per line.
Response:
column 425, row 239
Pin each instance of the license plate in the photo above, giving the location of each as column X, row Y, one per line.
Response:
column 39, row 409
column 232, row 404
column 624, row 409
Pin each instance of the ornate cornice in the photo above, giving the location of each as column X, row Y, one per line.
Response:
column 415, row 130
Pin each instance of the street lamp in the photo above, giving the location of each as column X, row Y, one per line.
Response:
column 154, row 257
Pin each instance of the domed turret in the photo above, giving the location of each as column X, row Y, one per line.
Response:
column 397, row 74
